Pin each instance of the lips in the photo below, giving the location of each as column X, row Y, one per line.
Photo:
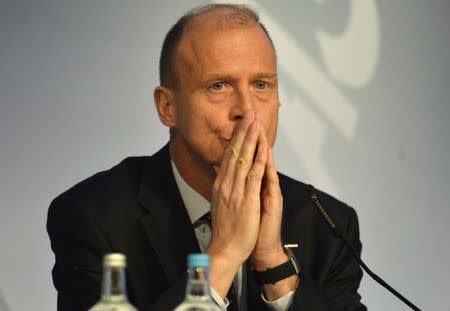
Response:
column 225, row 142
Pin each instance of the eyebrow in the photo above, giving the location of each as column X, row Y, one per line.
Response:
column 220, row 77
column 267, row 75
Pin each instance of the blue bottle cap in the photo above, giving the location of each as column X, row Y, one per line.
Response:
column 198, row 260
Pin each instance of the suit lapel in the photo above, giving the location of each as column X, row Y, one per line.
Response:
column 295, row 226
column 166, row 223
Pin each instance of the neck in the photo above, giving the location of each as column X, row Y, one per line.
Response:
column 198, row 175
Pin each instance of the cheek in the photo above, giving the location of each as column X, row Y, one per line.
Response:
column 203, row 127
column 212, row 120
column 270, row 123
column 194, row 121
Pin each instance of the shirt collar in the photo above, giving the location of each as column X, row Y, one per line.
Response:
column 195, row 204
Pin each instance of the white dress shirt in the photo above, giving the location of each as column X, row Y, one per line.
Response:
column 196, row 207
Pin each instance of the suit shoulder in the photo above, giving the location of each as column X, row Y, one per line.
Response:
column 119, row 181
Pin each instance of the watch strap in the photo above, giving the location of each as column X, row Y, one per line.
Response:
column 278, row 273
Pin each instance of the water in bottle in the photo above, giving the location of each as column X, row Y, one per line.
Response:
column 114, row 293
column 198, row 296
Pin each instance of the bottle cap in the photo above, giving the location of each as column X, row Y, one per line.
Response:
column 198, row 260
column 115, row 260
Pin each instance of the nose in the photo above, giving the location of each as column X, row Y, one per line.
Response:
column 242, row 103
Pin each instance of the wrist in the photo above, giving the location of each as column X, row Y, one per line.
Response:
column 262, row 263
column 272, row 275
column 281, row 288
column 279, row 280
column 228, row 260
column 221, row 272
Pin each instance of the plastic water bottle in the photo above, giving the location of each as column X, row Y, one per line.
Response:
column 114, row 292
column 198, row 296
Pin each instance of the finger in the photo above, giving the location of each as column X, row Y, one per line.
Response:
column 246, row 158
column 235, row 146
column 228, row 165
column 254, row 177
column 272, row 199
column 271, row 175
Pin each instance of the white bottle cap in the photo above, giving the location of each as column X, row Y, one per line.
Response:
column 115, row 260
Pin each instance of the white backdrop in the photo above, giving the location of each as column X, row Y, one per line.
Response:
column 364, row 90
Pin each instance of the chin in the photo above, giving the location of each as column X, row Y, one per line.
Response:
column 216, row 163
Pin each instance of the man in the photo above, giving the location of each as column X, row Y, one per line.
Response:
column 219, row 97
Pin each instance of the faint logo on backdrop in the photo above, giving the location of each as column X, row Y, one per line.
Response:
column 318, row 102
column 3, row 304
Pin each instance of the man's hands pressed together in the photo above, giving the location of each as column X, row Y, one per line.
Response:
column 246, row 211
column 235, row 204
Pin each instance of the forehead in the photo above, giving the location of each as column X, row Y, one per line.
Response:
column 212, row 43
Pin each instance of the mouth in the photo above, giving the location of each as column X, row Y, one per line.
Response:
column 225, row 142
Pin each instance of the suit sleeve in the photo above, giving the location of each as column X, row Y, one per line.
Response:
column 340, row 290
column 79, row 246
column 78, row 249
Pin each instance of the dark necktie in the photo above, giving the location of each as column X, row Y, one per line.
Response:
column 205, row 219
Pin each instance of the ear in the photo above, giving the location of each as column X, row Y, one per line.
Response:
column 165, row 105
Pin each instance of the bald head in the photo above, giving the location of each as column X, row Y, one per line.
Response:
column 216, row 17
column 222, row 18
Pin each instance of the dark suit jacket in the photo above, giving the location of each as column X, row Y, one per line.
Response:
column 135, row 208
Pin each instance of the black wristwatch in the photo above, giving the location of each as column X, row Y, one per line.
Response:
column 278, row 273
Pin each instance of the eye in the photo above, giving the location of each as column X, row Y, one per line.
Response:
column 217, row 86
column 261, row 85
